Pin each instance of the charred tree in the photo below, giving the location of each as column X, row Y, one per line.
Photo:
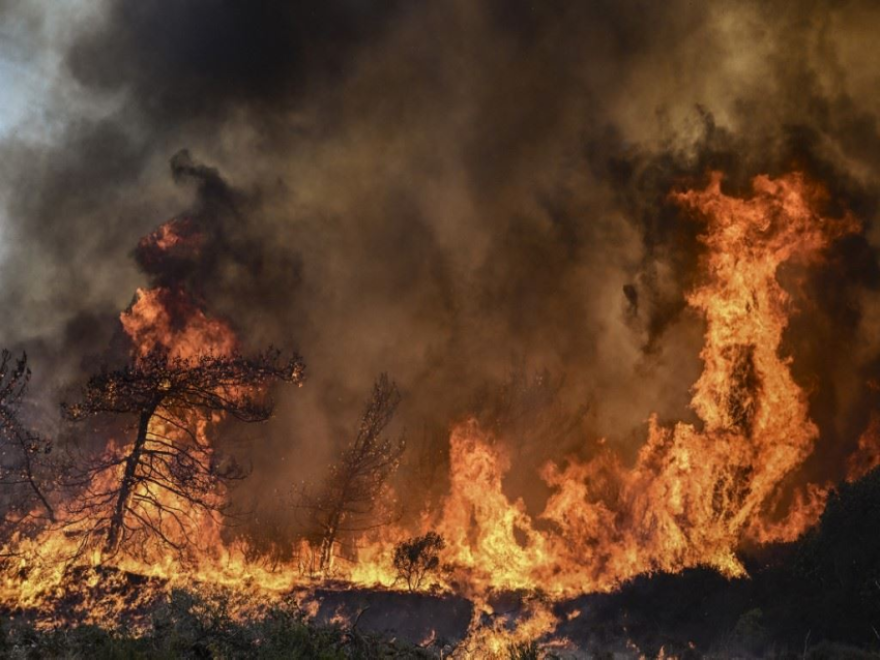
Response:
column 21, row 450
column 350, row 499
column 169, row 475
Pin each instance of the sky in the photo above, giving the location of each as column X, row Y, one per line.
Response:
column 27, row 74
column 32, row 38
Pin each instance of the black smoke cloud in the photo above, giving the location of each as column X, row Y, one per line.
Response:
column 444, row 190
column 197, row 60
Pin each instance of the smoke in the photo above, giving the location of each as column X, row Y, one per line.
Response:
column 443, row 191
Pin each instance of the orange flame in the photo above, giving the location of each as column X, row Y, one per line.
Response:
column 867, row 454
column 694, row 494
column 170, row 319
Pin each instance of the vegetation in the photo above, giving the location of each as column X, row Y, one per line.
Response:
column 200, row 627
column 418, row 559
column 167, row 463
column 22, row 452
column 811, row 599
column 816, row 598
column 524, row 651
column 349, row 501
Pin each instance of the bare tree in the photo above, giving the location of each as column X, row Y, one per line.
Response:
column 160, row 484
column 349, row 501
column 21, row 450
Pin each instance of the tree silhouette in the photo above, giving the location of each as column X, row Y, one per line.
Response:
column 21, row 450
column 416, row 559
column 349, row 501
column 160, row 485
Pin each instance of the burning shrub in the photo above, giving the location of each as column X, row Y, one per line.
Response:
column 417, row 559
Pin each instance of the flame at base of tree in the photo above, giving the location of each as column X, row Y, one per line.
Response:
column 152, row 506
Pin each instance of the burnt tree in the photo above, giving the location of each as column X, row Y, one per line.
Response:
column 160, row 484
column 21, row 450
column 350, row 498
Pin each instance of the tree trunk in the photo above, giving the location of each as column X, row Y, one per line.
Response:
column 328, row 541
column 114, row 532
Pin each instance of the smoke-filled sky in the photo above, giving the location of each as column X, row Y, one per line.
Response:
column 446, row 191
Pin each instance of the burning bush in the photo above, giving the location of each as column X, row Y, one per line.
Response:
column 418, row 559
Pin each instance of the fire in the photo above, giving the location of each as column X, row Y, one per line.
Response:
column 480, row 524
column 179, row 544
column 170, row 318
column 867, row 454
column 693, row 496
column 180, row 239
